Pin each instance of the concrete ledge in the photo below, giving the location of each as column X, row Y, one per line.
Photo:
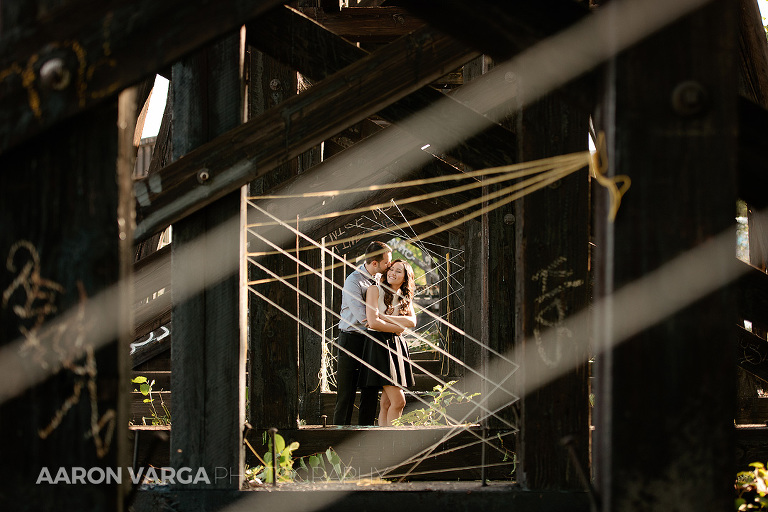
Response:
column 412, row 496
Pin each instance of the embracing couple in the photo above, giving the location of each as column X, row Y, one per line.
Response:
column 373, row 315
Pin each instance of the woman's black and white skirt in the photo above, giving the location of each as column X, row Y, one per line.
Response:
column 388, row 354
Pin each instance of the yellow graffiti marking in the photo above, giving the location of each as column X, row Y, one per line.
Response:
column 549, row 309
column 66, row 340
column 40, row 293
column 109, row 89
column 29, row 78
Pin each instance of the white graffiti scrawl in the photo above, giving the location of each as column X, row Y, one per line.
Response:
column 549, row 311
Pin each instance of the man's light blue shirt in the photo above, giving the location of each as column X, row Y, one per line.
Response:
column 352, row 312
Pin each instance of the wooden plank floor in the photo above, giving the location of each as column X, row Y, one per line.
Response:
column 424, row 497
column 366, row 451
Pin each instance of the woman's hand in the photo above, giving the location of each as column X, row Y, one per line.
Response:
column 385, row 323
column 405, row 321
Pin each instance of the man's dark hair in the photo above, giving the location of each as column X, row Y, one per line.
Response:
column 376, row 251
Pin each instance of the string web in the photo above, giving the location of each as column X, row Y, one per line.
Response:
column 461, row 423
column 378, row 224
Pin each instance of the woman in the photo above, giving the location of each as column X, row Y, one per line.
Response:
column 389, row 311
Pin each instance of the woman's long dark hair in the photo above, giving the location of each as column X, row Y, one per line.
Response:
column 406, row 289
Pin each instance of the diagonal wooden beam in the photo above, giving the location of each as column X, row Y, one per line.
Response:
column 366, row 24
column 498, row 29
column 253, row 149
column 345, row 170
column 435, row 205
column 753, row 54
column 753, row 130
column 79, row 54
column 276, row 34
column 505, row 29
column 752, row 291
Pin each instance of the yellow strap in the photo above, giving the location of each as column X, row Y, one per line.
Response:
column 598, row 166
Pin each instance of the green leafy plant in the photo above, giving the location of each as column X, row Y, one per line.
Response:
column 435, row 414
column 315, row 464
column 310, row 468
column 508, row 455
column 425, row 342
column 145, row 388
column 284, row 463
column 751, row 488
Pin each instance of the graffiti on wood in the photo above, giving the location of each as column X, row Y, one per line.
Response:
column 359, row 225
column 65, row 64
column 63, row 342
column 550, row 310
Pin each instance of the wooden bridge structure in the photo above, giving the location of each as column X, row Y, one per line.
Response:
column 267, row 97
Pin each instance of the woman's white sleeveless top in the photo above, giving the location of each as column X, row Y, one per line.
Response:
column 383, row 307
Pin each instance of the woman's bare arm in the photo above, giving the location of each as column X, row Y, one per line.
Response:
column 405, row 321
column 373, row 314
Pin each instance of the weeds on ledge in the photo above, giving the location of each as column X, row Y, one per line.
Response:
column 436, row 414
column 751, row 488
column 145, row 387
column 310, row 468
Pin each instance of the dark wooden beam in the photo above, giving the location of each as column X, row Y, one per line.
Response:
column 310, row 342
column 751, row 445
column 753, row 54
column 434, row 168
column 550, row 251
column 162, row 154
column 152, row 291
column 344, row 168
column 241, row 155
column 503, row 30
column 452, row 274
column 431, row 497
column 753, row 174
column 695, row 152
column 475, row 297
column 159, row 344
column 366, row 24
column 59, row 247
column 273, row 345
column 498, row 29
column 276, row 33
column 753, row 125
column 208, row 338
column 78, row 54
column 752, row 292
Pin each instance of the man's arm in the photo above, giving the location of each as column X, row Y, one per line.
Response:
column 354, row 297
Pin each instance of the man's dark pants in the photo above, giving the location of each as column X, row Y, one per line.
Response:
column 347, row 372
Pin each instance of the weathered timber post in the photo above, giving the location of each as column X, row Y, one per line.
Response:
column 310, row 349
column 208, row 346
column 59, row 313
column 753, row 85
column 665, row 392
column 454, row 289
column 273, row 344
column 490, row 273
column 551, row 228
column 477, row 286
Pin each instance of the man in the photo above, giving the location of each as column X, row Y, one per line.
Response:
column 352, row 325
